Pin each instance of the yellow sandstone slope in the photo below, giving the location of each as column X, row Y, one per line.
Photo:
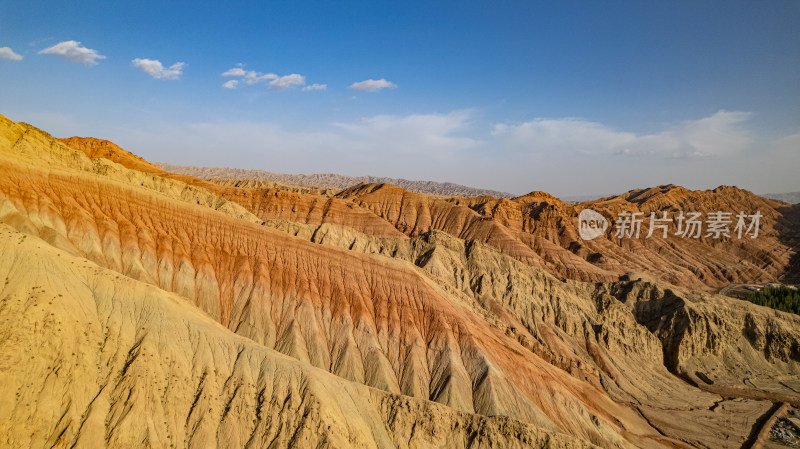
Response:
column 90, row 358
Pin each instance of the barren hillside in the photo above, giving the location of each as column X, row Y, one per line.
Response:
column 143, row 308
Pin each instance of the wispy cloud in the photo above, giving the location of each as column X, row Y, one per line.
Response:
column 230, row 84
column 716, row 135
column 41, row 41
column 8, row 53
column 73, row 51
column 316, row 86
column 371, row 85
column 154, row 68
column 563, row 134
column 384, row 144
column 429, row 134
column 789, row 144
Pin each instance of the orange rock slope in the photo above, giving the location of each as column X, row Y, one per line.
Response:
column 422, row 299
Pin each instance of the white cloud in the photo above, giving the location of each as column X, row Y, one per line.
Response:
column 372, row 85
column 256, row 77
column 236, row 71
column 716, row 135
column 154, row 68
column 274, row 81
column 316, row 86
column 249, row 77
column 287, row 81
column 73, row 51
column 8, row 53
column 566, row 134
column 252, row 77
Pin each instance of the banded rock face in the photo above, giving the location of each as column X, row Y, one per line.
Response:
column 538, row 228
column 422, row 316
column 93, row 359
column 541, row 231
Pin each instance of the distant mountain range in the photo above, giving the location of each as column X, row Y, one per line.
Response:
column 332, row 181
column 790, row 197
column 341, row 182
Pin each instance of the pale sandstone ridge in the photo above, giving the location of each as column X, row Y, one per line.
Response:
column 465, row 343
column 98, row 148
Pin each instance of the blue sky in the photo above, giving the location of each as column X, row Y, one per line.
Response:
column 573, row 97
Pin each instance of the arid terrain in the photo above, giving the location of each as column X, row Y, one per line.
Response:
column 145, row 308
column 330, row 180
